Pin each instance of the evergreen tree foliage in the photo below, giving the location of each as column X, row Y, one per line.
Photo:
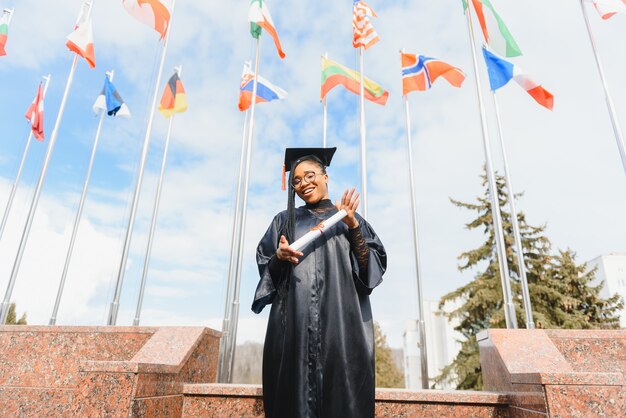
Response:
column 12, row 316
column 561, row 291
column 387, row 373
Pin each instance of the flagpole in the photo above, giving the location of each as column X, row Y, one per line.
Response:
column 325, row 113
column 4, row 308
column 223, row 375
column 10, row 12
column 609, row 101
column 363, row 148
column 418, row 273
column 509, row 308
column 232, row 339
column 155, row 212
column 81, row 204
column 325, row 122
column 516, row 232
column 16, row 183
column 115, row 304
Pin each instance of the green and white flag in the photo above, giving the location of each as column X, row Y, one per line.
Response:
column 496, row 34
column 260, row 18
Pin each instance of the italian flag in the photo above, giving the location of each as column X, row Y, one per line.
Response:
column 496, row 34
column 334, row 74
column 4, row 32
column 260, row 18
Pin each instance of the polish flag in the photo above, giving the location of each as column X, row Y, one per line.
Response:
column 81, row 40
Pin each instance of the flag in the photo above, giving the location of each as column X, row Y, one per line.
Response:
column 265, row 91
column 418, row 74
column 496, row 34
column 260, row 18
column 501, row 72
column 174, row 99
column 334, row 74
column 110, row 101
column 363, row 31
column 607, row 8
column 154, row 13
column 35, row 115
column 81, row 40
column 4, row 31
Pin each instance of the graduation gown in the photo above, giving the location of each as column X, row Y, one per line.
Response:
column 318, row 358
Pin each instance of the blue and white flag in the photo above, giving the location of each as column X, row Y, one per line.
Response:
column 110, row 101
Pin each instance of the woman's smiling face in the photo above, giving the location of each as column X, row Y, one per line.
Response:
column 310, row 182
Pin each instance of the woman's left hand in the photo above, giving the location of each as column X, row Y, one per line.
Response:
column 349, row 202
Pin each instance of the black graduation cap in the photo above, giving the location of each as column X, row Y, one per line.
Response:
column 294, row 156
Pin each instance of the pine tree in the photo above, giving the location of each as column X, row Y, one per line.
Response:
column 387, row 373
column 560, row 291
column 579, row 304
column 12, row 316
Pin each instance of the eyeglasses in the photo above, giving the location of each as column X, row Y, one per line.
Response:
column 309, row 176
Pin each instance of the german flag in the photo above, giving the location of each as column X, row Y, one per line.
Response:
column 174, row 99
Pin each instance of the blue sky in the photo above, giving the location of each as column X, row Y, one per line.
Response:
column 566, row 162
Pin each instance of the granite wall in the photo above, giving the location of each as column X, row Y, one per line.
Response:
column 557, row 373
column 102, row 371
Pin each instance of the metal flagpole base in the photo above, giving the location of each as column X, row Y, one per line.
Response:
column 421, row 325
column 113, row 313
column 4, row 312
column 510, row 308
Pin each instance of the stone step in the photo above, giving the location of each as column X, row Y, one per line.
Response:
column 223, row 400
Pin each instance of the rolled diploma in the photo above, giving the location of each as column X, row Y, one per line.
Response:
column 318, row 231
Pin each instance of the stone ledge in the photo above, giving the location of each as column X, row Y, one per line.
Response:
column 590, row 379
column 442, row 396
column 66, row 329
column 382, row 394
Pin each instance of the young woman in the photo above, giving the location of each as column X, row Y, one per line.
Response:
column 318, row 358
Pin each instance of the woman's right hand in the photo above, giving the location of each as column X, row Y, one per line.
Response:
column 286, row 253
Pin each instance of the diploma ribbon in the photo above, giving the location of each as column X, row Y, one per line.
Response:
column 320, row 227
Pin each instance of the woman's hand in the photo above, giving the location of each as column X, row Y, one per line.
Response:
column 349, row 202
column 286, row 253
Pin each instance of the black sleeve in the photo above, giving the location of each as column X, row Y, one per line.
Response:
column 368, row 266
column 270, row 268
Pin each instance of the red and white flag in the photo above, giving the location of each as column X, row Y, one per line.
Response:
column 362, row 29
column 154, row 13
column 81, row 40
column 607, row 8
column 35, row 115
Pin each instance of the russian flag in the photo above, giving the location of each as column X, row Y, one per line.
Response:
column 266, row 91
column 419, row 74
column 501, row 72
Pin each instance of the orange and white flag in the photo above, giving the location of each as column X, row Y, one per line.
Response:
column 154, row 13
column 81, row 40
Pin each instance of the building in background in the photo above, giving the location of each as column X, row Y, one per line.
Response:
column 612, row 271
column 442, row 345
